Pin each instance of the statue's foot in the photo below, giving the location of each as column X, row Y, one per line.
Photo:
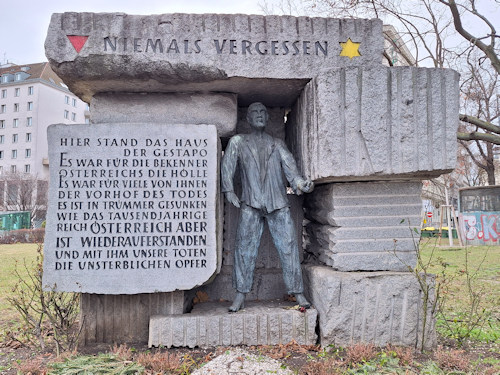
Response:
column 302, row 301
column 238, row 303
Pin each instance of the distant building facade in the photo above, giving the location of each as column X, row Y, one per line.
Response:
column 32, row 97
column 396, row 53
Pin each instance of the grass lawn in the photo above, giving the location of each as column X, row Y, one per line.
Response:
column 12, row 256
column 451, row 265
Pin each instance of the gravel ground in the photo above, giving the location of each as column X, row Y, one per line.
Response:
column 241, row 362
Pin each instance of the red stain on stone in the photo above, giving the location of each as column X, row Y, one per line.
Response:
column 78, row 41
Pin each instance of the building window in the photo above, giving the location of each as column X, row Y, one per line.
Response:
column 17, row 91
column 15, row 123
column 4, row 93
column 30, row 106
column 73, row 116
column 66, row 114
column 28, row 137
column 14, row 154
column 66, row 99
column 27, row 153
column 17, row 76
column 29, row 121
column 16, row 107
column 3, row 108
column 73, row 102
column 87, row 121
column 2, row 139
column 27, row 168
column 2, row 124
column 1, row 154
column 31, row 90
column 13, row 170
column 15, row 138
column 5, row 78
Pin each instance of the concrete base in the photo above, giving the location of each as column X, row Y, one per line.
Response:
column 376, row 307
column 210, row 324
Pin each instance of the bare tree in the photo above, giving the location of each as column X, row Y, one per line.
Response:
column 477, row 133
column 25, row 192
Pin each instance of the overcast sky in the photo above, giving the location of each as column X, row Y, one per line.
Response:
column 24, row 23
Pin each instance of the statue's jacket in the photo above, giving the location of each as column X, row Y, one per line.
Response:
column 264, row 162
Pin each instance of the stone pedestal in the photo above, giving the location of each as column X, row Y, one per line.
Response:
column 372, row 307
column 259, row 323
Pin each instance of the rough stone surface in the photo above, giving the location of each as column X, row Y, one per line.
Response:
column 215, row 109
column 210, row 324
column 376, row 307
column 126, row 204
column 376, row 123
column 364, row 226
column 207, row 52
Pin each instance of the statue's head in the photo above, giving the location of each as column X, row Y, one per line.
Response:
column 257, row 115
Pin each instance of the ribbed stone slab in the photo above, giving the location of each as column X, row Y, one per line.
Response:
column 124, row 318
column 364, row 226
column 210, row 324
column 377, row 307
column 376, row 123
column 209, row 52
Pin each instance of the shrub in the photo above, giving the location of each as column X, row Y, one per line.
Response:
column 360, row 352
column 452, row 359
column 23, row 236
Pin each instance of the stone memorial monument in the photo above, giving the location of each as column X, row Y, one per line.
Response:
column 137, row 222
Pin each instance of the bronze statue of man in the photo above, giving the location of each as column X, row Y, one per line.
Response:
column 262, row 161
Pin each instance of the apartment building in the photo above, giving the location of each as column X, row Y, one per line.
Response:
column 32, row 97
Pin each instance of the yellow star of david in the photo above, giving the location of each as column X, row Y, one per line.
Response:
column 350, row 49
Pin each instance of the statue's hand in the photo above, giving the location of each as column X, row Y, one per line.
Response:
column 305, row 186
column 233, row 199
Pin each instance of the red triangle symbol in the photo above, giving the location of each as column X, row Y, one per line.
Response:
column 78, row 41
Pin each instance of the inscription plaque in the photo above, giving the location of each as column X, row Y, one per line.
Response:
column 131, row 211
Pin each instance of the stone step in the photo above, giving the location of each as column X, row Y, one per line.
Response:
column 363, row 200
column 345, row 233
column 328, row 217
column 399, row 261
column 210, row 324
column 403, row 210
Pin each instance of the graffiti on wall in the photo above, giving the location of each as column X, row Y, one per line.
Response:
column 482, row 226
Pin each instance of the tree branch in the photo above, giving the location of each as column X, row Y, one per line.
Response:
column 475, row 136
column 480, row 123
column 472, row 156
column 487, row 49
